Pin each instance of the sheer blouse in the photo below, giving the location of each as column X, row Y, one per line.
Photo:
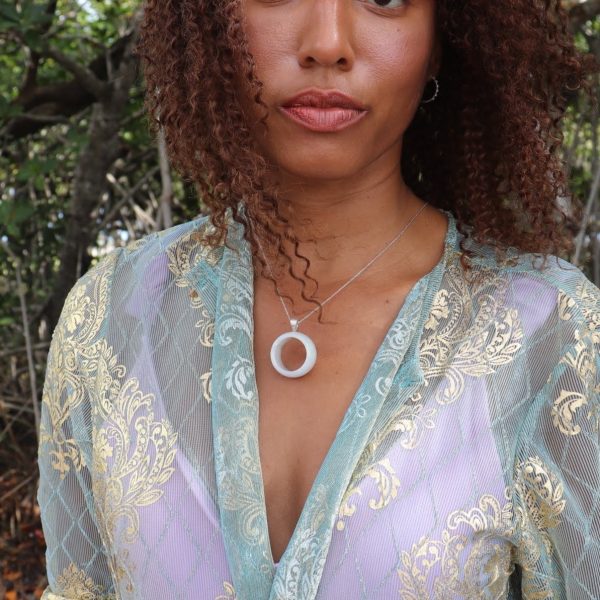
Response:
column 466, row 466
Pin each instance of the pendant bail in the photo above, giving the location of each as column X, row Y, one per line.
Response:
column 294, row 324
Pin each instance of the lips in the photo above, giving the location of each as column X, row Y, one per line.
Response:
column 324, row 99
column 323, row 111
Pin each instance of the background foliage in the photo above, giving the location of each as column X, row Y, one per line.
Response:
column 79, row 174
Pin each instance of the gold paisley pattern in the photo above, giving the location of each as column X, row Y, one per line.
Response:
column 411, row 421
column 133, row 479
column 457, row 343
column 132, row 456
column 587, row 294
column 74, row 583
column 565, row 306
column 206, row 379
column 187, row 251
column 124, row 477
column 183, row 255
column 469, row 560
column 310, row 549
column 240, row 496
column 229, row 592
column 582, row 358
column 540, row 493
column 384, row 476
column 564, row 410
column 472, row 557
column 82, row 316
column 205, row 323
column 492, row 340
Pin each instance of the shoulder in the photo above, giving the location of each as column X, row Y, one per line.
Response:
column 552, row 291
column 175, row 250
column 141, row 268
column 530, row 316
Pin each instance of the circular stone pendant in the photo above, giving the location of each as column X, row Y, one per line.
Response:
column 309, row 348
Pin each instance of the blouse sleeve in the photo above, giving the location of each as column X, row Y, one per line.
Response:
column 557, row 462
column 77, row 563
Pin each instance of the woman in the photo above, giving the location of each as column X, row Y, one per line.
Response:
column 381, row 181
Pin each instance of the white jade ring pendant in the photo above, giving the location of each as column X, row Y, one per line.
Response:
column 309, row 348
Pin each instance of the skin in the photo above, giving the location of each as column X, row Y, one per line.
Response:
column 345, row 191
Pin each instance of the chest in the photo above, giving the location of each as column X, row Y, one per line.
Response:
column 299, row 417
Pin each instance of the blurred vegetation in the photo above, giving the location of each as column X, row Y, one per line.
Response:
column 79, row 174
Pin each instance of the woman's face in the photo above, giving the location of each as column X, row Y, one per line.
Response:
column 379, row 52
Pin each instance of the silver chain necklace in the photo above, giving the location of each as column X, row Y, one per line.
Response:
column 306, row 341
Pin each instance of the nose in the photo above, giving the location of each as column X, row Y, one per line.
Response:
column 326, row 35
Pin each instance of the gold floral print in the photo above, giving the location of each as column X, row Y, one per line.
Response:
column 387, row 483
column 564, row 410
column 473, row 557
column 309, row 551
column 132, row 452
column 229, row 592
column 458, row 343
column 472, row 562
column 542, row 492
column 81, row 318
column 582, row 361
column 582, row 358
column 205, row 323
column 206, row 379
column 384, row 476
column 74, row 583
column 187, row 251
column 565, row 306
column 240, row 495
column 541, row 502
column 183, row 255
column 589, row 300
column 411, row 420
column 127, row 454
column 130, row 456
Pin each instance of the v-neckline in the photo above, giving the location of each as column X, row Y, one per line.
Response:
column 234, row 410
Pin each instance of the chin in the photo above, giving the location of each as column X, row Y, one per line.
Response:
column 321, row 166
column 319, row 170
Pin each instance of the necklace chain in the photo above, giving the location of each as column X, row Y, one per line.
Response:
column 295, row 323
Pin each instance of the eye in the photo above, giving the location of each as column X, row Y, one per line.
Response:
column 390, row 3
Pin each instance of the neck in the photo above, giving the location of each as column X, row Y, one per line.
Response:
column 344, row 224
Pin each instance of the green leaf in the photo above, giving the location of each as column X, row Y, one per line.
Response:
column 8, row 110
column 35, row 14
column 36, row 166
column 9, row 13
column 12, row 214
column 32, row 39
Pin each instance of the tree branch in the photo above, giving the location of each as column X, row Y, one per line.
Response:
column 62, row 99
column 86, row 77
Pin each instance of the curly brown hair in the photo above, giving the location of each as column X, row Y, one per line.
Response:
column 488, row 148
